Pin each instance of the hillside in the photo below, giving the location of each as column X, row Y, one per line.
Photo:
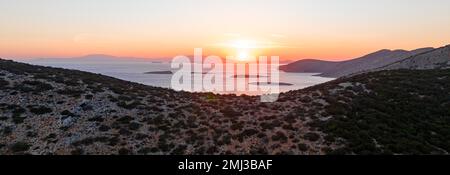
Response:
column 371, row 61
column 309, row 66
column 339, row 69
column 433, row 59
column 57, row 111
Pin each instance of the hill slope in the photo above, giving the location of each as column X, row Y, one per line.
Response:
column 339, row 69
column 57, row 111
column 371, row 61
column 309, row 66
column 433, row 59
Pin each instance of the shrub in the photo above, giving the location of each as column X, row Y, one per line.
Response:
column 86, row 107
column 229, row 112
column 70, row 92
column 141, row 136
column 104, row 128
column 129, row 106
column 7, row 130
column 18, row 110
column 312, row 136
column 280, row 136
column 179, row 150
column 18, row 119
column 89, row 96
column 144, row 151
column 226, row 139
column 3, row 118
column 303, row 147
column 162, row 144
column 237, row 125
column 124, row 119
column 3, row 83
column 77, row 151
column 124, row 131
column 20, row 147
column 67, row 113
column 24, row 89
column 90, row 140
column 305, row 99
column 113, row 141
column 336, row 109
column 134, row 126
column 39, row 110
column 39, row 86
column 124, row 151
column 96, row 119
column 249, row 132
column 112, row 99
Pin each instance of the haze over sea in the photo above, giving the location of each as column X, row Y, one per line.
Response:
column 134, row 71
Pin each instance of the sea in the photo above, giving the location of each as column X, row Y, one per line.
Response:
column 137, row 71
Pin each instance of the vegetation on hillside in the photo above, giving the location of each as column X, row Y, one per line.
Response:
column 405, row 112
column 57, row 111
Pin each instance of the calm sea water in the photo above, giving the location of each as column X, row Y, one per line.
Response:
column 134, row 71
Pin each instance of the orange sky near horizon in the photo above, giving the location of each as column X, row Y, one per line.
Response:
column 291, row 29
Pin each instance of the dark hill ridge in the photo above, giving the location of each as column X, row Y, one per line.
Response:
column 344, row 68
column 57, row 111
column 309, row 66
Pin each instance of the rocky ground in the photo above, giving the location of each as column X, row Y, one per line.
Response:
column 56, row 111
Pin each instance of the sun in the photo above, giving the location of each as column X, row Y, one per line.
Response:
column 243, row 49
column 242, row 55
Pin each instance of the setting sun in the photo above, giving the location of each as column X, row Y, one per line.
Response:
column 242, row 49
column 243, row 55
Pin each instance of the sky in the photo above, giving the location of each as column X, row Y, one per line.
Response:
column 291, row 29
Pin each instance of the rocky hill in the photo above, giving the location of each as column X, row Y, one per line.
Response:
column 56, row 111
column 309, row 66
column 339, row 69
column 433, row 59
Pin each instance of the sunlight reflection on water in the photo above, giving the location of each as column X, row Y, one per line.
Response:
column 135, row 72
